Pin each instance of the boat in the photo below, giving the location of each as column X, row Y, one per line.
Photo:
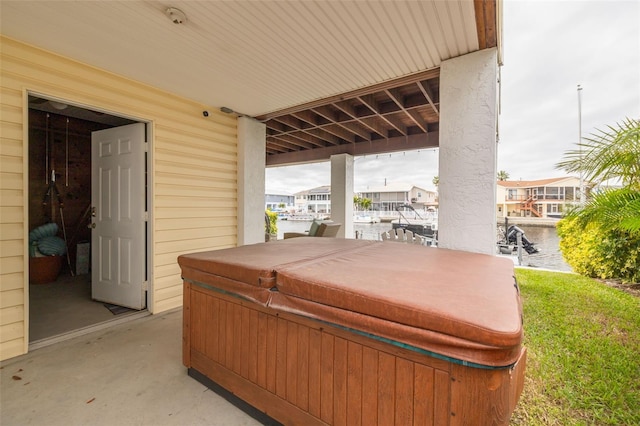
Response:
column 365, row 218
column 302, row 216
column 409, row 219
column 508, row 241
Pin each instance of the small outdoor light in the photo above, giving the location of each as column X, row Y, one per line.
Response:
column 176, row 15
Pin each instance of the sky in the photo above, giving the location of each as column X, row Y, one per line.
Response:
column 550, row 47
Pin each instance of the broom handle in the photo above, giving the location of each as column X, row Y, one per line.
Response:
column 64, row 232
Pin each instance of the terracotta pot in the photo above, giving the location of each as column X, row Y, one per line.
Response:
column 43, row 270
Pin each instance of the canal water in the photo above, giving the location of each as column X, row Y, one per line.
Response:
column 545, row 239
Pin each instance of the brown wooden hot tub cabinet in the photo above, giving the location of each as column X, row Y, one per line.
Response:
column 347, row 332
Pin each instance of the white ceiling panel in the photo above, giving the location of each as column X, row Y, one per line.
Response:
column 255, row 57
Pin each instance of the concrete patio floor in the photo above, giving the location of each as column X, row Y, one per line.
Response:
column 129, row 374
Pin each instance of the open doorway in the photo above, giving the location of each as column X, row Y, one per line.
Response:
column 60, row 218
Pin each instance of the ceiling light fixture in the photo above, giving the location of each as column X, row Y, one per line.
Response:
column 228, row 110
column 176, row 15
column 58, row 105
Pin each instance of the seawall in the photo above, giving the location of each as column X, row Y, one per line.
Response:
column 530, row 221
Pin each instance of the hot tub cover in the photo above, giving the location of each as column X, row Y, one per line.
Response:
column 256, row 264
column 457, row 304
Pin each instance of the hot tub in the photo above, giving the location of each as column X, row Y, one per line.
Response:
column 336, row 331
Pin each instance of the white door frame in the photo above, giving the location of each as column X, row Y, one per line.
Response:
column 149, row 126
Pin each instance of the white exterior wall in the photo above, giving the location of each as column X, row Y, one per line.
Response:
column 252, row 136
column 342, row 193
column 468, row 117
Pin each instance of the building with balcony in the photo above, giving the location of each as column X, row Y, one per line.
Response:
column 315, row 200
column 388, row 197
column 543, row 198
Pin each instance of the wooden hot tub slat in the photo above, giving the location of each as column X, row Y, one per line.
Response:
column 311, row 367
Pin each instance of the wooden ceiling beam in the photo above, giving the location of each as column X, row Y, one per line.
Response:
column 324, row 135
column 402, row 81
column 370, row 103
column 307, row 116
column 348, row 109
column 316, row 137
column 289, row 121
column 486, row 23
column 378, row 146
column 291, row 141
column 319, row 130
column 281, row 146
column 297, row 127
column 329, row 114
column 305, row 136
column 339, row 131
column 424, row 88
column 364, row 121
column 396, row 96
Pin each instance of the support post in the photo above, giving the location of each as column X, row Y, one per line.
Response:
column 468, row 152
column 342, row 193
column 252, row 136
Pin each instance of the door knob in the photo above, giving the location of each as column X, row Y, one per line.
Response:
column 91, row 225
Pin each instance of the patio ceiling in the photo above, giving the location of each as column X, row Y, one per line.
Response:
column 398, row 115
column 326, row 77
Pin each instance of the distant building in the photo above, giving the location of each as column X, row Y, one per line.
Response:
column 388, row 197
column 544, row 198
column 316, row 200
column 279, row 202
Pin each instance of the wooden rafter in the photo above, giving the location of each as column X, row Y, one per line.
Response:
column 385, row 116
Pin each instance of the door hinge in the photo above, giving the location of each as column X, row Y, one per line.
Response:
column 146, row 147
column 145, row 285
column 146, row 216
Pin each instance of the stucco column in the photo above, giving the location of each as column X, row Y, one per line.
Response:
column 342, row 193
column 252, row 136
column 467, row 169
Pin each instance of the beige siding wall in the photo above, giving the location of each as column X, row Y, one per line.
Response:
column 193, row 173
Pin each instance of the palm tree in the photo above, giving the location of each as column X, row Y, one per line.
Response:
column 612, row 209
column 502, row 175
column 601, row 238
column 361, row 203
column 610, row 154
column 436, row 181
column 356, row 202
column 365, row 203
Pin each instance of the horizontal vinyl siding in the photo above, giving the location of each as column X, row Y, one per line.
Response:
column 13, row 321
column 193, row 174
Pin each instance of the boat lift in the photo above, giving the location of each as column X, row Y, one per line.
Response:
column 425, row 227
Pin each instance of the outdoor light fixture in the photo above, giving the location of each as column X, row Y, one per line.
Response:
column 228, row 110
column 176, row 15
column 58, row 105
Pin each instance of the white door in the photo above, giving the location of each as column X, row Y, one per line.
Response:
column 118, row 201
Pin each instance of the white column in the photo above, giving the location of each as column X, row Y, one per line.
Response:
column 342, row 193
column 467, row 169
column 252, row 136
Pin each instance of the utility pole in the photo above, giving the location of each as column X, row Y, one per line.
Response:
column 582, row 194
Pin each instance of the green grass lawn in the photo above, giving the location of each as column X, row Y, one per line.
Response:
column 583, row 341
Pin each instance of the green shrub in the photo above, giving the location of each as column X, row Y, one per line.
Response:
column 598, row 252
column 273, row 225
